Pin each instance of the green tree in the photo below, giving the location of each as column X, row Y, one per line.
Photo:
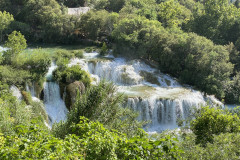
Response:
column 5, row 20
column 171, row 13
column 232, row 90
column 213, row 121
column 16, row 43
column 97, row 25
column 216, row 20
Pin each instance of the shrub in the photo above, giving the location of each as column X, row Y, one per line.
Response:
column 78, row 53
column 89, row 49
column 63, row 54
column 89, row 140
column 101, row 143
column 72, row 74
column 34, row 142
column 39, row 112
column 14, row 112
column 11, row 75
column 212, row 121
column 103, row 49
column 224, row 146
column 37, row 63
column 102, row 103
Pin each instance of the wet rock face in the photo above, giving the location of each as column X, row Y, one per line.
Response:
column 71, row 92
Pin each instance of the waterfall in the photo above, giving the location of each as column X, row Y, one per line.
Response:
column 54, row 105
column 163, row 113
column 157, row 97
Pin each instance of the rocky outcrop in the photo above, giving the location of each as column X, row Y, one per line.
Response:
column 71, row 92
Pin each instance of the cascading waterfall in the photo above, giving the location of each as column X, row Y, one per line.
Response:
column 54, row 105
column 157, row 97
column 163, row 113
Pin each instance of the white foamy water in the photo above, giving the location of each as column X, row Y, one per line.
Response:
column 157, row 97
column 50, row 71
column 2, row 49
column 16, row 92
column 54, row 104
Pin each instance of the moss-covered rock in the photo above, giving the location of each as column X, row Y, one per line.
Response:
column 27, row 97
column 39, row 87
column 150, row 77
column 71, row 92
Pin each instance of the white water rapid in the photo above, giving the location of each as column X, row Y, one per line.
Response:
column 54, row 105
column 157, row 97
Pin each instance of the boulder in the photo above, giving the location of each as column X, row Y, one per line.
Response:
column 71, row 92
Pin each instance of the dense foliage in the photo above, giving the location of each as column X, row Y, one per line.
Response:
column 101, row 103
column 71, row 74
column 195, row 41
column 211, row 121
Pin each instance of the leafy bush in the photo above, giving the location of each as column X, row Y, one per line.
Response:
column 36, row 62
column 89, row 49
column 36, row 143
column 38, row 112
column 62, row 57
column 78, row 53
column 10, row 75
column 96, row 141
column 103, row 49
column 72, row 74
column 90, row 140
column 212, row 121
column 63, row 54
column 14, row 112
column 224, row 146
column 102, row 103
